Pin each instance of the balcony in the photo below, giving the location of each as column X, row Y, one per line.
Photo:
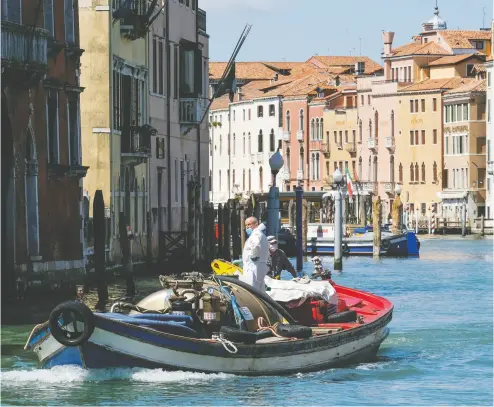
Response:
column 300, row 175
column 389, row 143
column 201, row 20
column 389, row 187
column 286, row 176
column 286, row 136
column 372, row 144
column 191, row 110
column 136, row 145
column 315, row 145
column 351, row 148
column 135, row 17
column 369, row 187
column 490, row 167
column 326, row 150
column 300, row 135
column 260, row 158
column 24, row 53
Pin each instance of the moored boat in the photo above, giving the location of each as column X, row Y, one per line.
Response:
column 218, row 324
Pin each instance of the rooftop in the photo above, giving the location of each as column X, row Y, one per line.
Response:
column 436, row 84
column 417, row 48
column 469, row 85
column 455, row 59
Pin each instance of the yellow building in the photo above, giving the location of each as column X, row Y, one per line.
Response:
column 115, row 136
column 340, row 133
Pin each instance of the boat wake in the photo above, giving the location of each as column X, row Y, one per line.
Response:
column 76, row 374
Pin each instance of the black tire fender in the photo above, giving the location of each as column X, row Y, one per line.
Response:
column 344, row 316
column 294, row 331
column 82, row 313
column 236, row 335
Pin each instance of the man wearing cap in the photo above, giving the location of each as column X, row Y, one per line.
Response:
column 278, row 260
column 255, row 255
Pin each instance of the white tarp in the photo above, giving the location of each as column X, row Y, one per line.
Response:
column 300, row 289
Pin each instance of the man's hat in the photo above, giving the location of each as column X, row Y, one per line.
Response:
column 272, row 239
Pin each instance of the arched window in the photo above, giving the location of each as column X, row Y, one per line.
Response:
column 400, row 173
column 260, row 179
column 301, row 120
column 228, row 185
column 136, row 206
column 312, row 129
column 313, row 166
column 233, row 177
column 259, row 142
column 219, row 180
column 249, row 145
column 243, row 145
column 31, row 194
column 370, row 128
column 374, row 172
column 221, row 144
column 369, row 169
column 272, row 141
column 376, row 125
column 288, row 123
column 416, row 172
column 288, row 158
column 243, row 180
column 392, row 168
column 318, row 175
column 412, row 173
column 250, row 181
column 434, row 172
column 423, row 172
column 316, row 130
column 301, row 160
column 360, row 130
column 321, row 128
column 234, row 144
column 360, row 168
column 392, row 124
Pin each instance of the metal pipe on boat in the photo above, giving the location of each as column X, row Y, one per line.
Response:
column 338, row 222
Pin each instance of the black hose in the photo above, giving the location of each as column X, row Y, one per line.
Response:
column 266, row 298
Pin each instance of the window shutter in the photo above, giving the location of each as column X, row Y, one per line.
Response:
column 198, row 72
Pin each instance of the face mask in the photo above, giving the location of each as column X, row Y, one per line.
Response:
column 273, row 247
column 248, row 231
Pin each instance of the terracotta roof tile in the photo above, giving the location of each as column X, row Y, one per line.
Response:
column 462, row 38
column 470, row 85
column 454, row 59
column 417, row 48
column 250, row 70
column 345, row 62
column 435, row 84
column 220, row 103
column 479, row 68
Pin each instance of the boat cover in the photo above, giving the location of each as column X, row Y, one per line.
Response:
column 300, row 289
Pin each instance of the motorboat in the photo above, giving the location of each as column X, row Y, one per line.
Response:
column 217, row 323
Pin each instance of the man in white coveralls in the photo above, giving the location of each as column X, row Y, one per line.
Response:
column 255, row 256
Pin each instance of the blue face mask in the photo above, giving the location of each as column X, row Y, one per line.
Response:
column 248, row 231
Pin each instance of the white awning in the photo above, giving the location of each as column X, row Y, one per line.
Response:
column 445, row 195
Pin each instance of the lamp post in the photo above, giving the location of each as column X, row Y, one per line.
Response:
column 276, row 163
column 397, row 212
column 299, row 194
column 338, row 222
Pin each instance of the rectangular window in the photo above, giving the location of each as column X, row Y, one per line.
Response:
column 446, row 145
column 434, row 105
column 249, row 114
column 416, row 137
column 155, row 64
column 74, row 128
column 489, row 79
column 271, row 110
column 423, row 136
column 488, row 110
column 234, row 115
column 161, row 70
column 48, row 17
column 362, row 100
column 354, row 136
column 177, row 180
column 411, row 138
column 346, row 136
column 52, row 126
column 175, row 72
column 336, row 137
column 453, row 113
column 260, row 111
column 69, row 21
column 411, row 106
column 416, row 105
column 422, row 102
column 466, row 112
column 243, row 115
column 470, row 72
column 368, row 99
column 434, row 136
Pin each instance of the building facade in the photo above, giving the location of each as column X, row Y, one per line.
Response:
column 490, row 140
column 41, row 152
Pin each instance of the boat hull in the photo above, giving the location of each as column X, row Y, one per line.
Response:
column 404, row 245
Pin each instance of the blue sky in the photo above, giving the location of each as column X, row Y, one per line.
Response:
column 294, row 30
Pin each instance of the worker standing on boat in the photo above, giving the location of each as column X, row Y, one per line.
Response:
column 255, row 255
column 278, row 260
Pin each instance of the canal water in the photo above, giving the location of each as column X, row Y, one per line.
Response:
column 440, row 350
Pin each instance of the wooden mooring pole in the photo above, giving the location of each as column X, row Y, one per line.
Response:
column 376, row 220
column 99, row 248
column 482, row 225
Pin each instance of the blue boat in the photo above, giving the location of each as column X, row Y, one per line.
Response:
column 361, row 244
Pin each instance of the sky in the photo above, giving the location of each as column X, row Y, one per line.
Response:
column 294, row 30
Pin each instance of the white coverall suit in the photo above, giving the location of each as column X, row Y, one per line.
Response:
column 254, row 271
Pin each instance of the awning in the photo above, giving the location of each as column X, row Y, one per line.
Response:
column 445, row 195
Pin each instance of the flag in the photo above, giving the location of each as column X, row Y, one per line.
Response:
column 349, row 182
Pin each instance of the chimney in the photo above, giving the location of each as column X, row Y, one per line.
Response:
column 388, row 42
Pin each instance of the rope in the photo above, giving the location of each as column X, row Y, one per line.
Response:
column 229, row 346
column 263, row 326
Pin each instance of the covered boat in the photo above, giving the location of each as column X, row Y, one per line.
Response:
column 220, row 324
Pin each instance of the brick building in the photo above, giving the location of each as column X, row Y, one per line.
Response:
column 41, row 154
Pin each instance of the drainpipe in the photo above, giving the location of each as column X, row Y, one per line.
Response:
column 168, row 124
column 110, row 73
column 198, row 126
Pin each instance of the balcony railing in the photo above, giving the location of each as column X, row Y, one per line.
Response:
column 300, row 135
column 315, row 145
column 389, row 142
column 490, row 167
column 372, row 143
column 191, row 110
column 286, row 175
column 134, row 144
column 370, row 187
column 24, row 47
column 260, row 157
column 201, row 20
column 389, row 187
column 351, row 148
column 286, row 136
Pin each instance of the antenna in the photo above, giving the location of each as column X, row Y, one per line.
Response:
column 483, row 16
column 360, row 46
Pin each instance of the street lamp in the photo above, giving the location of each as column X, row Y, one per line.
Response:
column 338, row 221
column 398, row 189
column 276, row 163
